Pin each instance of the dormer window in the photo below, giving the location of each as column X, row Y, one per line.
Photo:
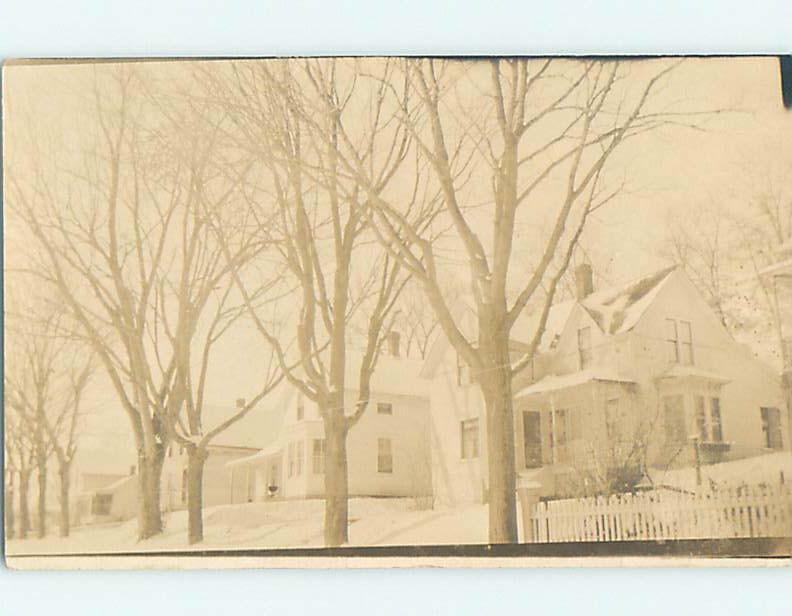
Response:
column 679, row 341
column 584, row 347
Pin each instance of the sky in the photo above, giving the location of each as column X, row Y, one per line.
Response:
column 668, row 173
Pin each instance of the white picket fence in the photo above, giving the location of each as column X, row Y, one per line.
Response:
column 746, row 511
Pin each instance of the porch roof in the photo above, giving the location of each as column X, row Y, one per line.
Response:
column 564, row 381
column 257, row 458
column 679, row 371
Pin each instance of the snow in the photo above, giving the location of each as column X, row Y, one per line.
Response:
column 278, row 524
column 554, row 383
column 758, row 469
column 618, row 311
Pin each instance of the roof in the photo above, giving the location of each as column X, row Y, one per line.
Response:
column 258, row 457
column 555, row 383
column 527, row 323
column 679, row 371
column 393, row 375
column 253, row 431
column 615, row 310
column 618, row 310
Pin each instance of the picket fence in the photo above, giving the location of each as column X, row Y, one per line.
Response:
column 745, row 511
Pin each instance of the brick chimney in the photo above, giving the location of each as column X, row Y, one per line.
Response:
column 393, row 343
column 584, row 281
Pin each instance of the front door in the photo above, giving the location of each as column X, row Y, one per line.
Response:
column 532, row 439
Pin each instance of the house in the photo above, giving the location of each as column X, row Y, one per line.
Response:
column 387, row 449
column 106, row 497
column 643, row 375
column 240, row 440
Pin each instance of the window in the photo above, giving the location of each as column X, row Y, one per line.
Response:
column 469, row 430
column 560, row 426
column 679, row 341
column 702, row 428
column 674, row 419
column 299, row 454
column 384, row 456
column 532, row 439
column 686, row 341
column 384, row 408
column 170, row 451
column 560, row 429
column 300, row 408
column 672, row 341
column 584, row 347
column 613, row 421
column 715, row 420
column 101, row 504
column 771, row 427
column 318, row 456
column 290, row 459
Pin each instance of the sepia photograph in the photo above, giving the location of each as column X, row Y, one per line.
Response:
column 440, row 310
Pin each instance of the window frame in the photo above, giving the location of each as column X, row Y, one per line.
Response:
column 468, row 427
column 771, row 427
column 672, row 340
column 318, row 452
column 384, row 458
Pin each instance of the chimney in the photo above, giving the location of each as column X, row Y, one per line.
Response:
column 584, row 281
column 393, row 343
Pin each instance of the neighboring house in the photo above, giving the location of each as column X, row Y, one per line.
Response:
column 646, row 366
column 387, row 450
column 106, row 497
column 240, row 440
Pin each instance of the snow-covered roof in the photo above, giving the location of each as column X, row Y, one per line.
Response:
column 253, row 431
column 555, row 383
column 618, row 310
column 257, row 458
column 525, row 327
column 679, row 371
column 393, row 375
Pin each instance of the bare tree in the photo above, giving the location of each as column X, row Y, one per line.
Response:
column 45, row 386
column 288, row 118
column 538, row 132
column 19, row 466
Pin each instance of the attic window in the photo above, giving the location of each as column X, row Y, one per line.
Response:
column 679, row 341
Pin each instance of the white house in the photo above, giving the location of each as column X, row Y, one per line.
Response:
column 647, row 361
column 387, row 449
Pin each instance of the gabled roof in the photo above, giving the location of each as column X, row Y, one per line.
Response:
column 618, row 310
column 615, row 310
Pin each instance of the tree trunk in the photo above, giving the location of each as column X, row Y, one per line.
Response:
column 8, row 503
column 496, row 386
column 65, row 515
column 196, row 457
column 149, row 475
column 24, row 509
column 336, row 522
column 41, row 466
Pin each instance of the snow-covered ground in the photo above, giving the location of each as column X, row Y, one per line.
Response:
column 279, row 524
